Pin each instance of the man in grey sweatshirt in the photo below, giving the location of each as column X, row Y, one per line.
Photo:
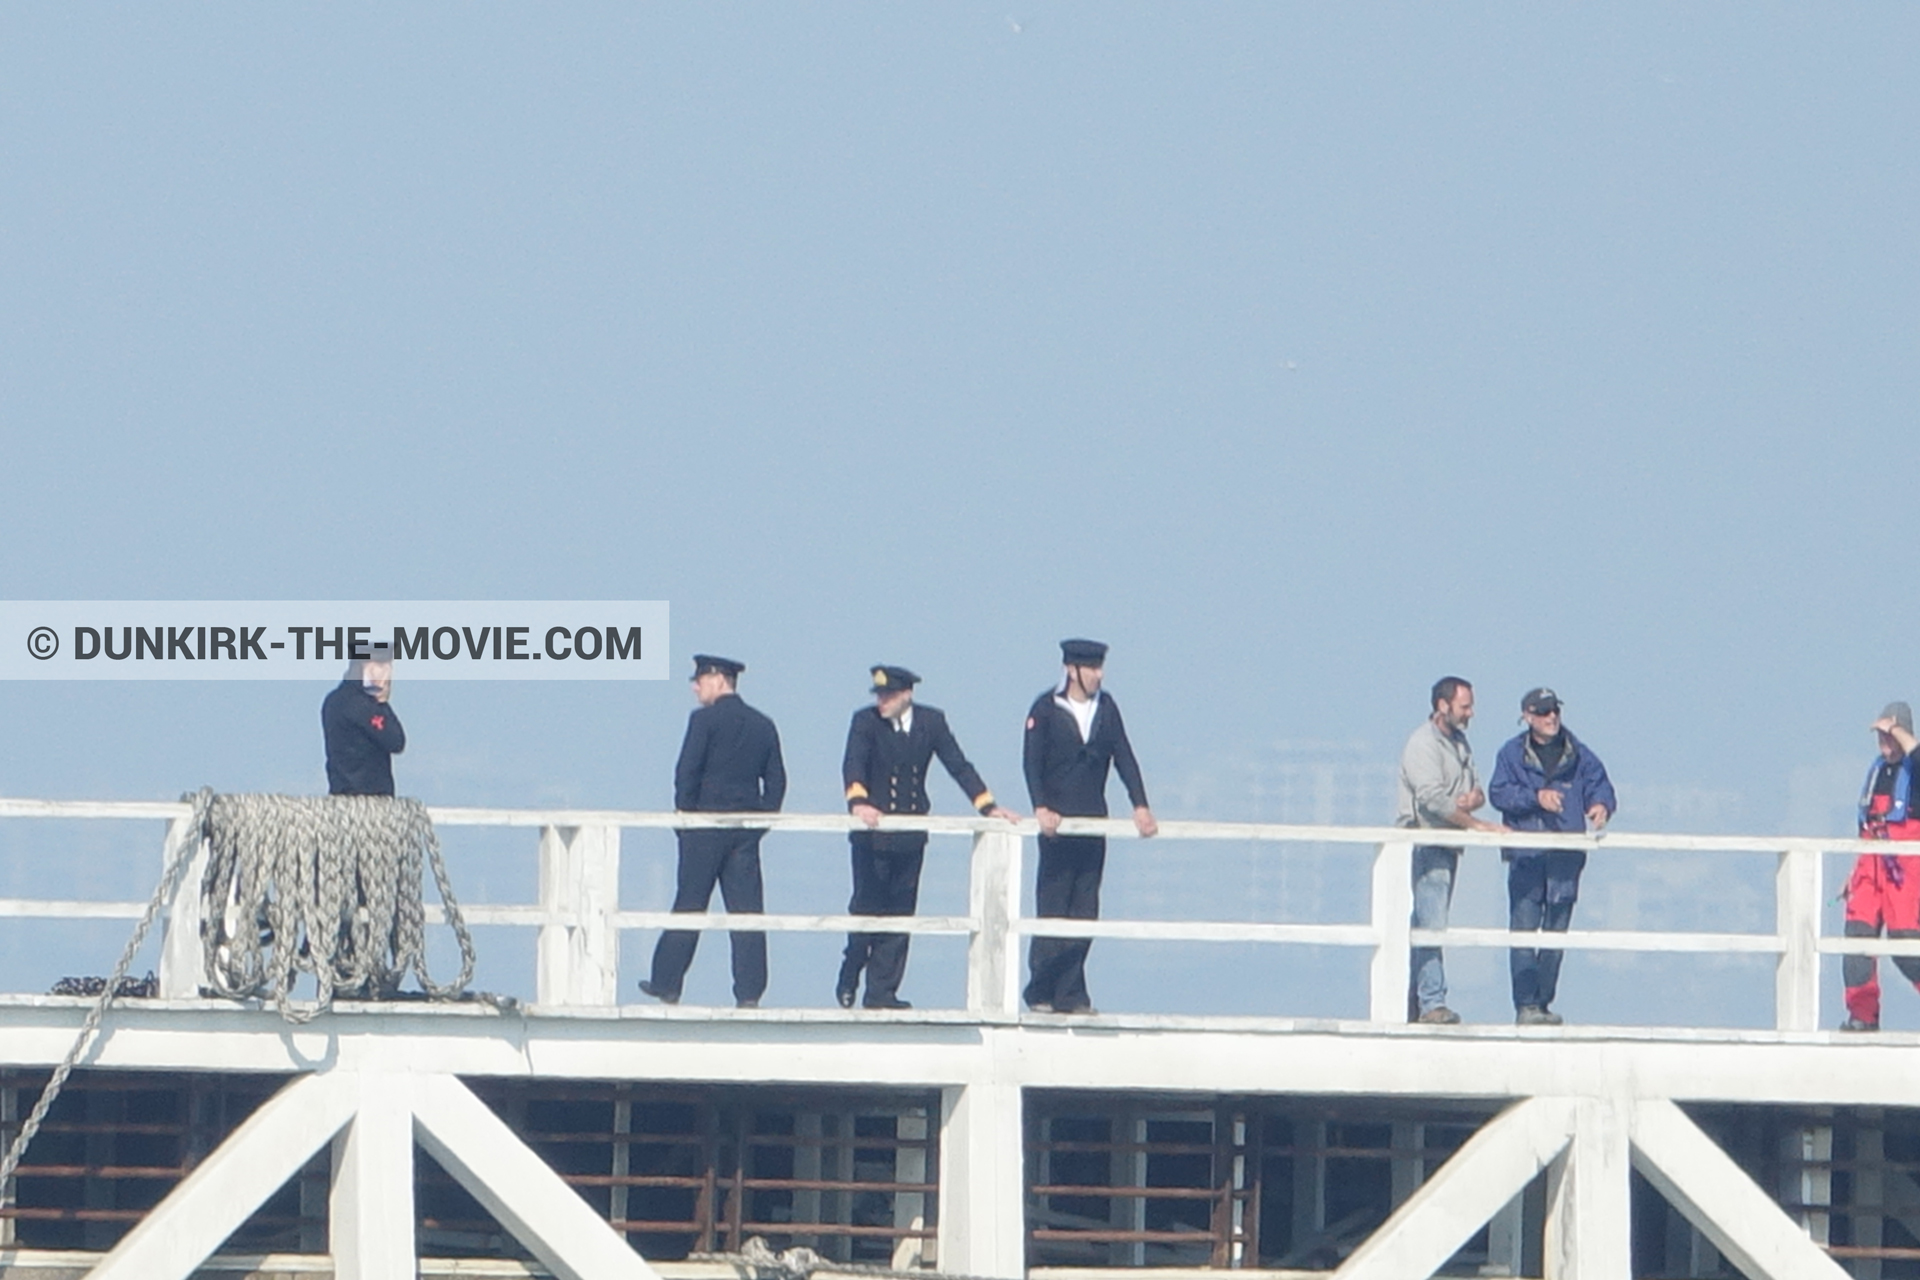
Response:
column 1438, row 788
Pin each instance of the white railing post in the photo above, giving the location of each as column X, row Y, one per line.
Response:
column 1392, row 923
column 579, row 944
column 553, row 952
column 596, row 938
column 993, row 951
column 1796, row 999
column 182, row 959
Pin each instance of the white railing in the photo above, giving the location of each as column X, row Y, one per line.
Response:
column 580, row 919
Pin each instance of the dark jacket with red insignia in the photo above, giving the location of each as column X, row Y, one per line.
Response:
column 888, row 769
column 363, row 736
column 1069, row 776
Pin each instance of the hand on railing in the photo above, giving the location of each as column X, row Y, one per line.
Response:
column 1144, row 823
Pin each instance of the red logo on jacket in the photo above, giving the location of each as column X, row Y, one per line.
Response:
column 380, row 722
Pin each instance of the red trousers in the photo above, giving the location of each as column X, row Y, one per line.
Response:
column 1882, row 894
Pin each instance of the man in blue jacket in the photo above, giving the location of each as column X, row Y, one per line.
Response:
column 1545, row 780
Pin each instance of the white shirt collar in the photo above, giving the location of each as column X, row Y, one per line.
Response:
column 1082, row 712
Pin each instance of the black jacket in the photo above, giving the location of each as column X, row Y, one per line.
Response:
column 888, row 769
column 363, row 736
column 730, row 761
column 1069, row 776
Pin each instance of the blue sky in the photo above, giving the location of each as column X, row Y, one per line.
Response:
column 1305, row 353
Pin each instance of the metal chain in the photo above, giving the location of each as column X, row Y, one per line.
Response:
column 177, row 863
column 324, row 885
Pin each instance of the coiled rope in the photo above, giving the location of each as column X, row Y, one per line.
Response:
column 326, row 886
column 321, row 885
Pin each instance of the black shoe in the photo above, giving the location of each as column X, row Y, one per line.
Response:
column 663, row 996
column 1854, row 1024
column 885, row 1002
column 1079, row 1011
column 1039, row 1006
column 749, row 1002
column 844, row 995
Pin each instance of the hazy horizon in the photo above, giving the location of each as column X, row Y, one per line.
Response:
column 1304, row 354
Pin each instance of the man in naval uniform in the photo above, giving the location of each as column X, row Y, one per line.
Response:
column 889, row 748
column 1074, row 734
column 729, row 763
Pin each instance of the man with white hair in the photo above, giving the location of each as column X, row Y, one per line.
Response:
column 1883, row 894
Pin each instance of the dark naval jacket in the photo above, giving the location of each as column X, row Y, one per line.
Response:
column 1069, row 776
column 888, row 769
column 730, row 761
column 363, row 735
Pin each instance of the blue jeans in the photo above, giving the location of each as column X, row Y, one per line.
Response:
column 1433, row 868
column 1541, row 888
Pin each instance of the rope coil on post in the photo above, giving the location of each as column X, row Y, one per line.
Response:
column 322, row 885
column 327, row 886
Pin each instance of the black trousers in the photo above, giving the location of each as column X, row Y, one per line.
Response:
column 1068, row 887
column 732, row 860
column 886, row 882
column 1541, row 890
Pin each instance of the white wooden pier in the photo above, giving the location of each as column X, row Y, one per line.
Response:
column 1571, row 1113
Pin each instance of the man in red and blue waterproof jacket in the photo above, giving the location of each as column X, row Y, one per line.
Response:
column 1884, row 890
column 1545, row 780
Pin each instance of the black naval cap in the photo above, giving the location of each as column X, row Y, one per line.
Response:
column 703, row 663
column 1083, row 653
column 1540, row 702
column 890, row 679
